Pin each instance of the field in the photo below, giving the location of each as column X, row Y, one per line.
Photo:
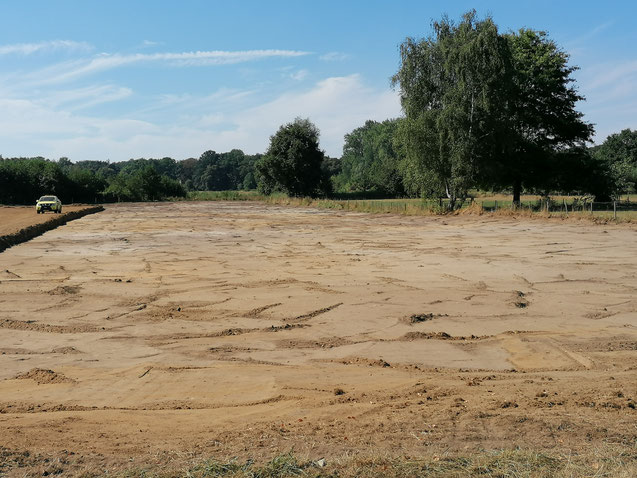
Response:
column 152, row 337
column 16, row 218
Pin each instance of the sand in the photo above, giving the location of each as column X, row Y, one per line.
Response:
column 240, row 329
column 14, row 218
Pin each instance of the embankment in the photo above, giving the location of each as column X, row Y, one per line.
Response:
column 28, row 233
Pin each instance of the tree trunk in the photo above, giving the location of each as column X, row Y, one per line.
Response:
column 517, row 189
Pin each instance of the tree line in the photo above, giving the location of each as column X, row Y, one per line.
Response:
column 485, row 110
column 482, row 110
column 23, row 180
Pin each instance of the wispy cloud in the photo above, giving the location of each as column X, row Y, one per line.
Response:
column 594, row 32
column 610, row 89
column 608, row 74
column 30, row 48
column 299, row 75
column 334, row 56
column 70, row 70
column 52, row 128
column 81, row 98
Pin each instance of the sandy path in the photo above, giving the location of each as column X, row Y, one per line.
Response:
column 227, row 328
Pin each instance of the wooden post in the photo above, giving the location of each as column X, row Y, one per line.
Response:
column 496, row 205
column 614, row 209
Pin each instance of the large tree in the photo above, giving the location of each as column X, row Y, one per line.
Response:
column 541, row 117
column 483, row 108
column 451, row 88
column 292, row 163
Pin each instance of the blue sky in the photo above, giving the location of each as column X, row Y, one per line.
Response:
column 126, row 79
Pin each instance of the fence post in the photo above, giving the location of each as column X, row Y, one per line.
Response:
column 496, row 206
column 614, row 209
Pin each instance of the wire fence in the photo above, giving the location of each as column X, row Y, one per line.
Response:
column 622, row 210
column 564, row 206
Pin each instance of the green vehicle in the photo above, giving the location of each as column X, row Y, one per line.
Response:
column 48, row 203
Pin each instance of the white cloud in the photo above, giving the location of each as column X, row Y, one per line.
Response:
column 30, row 48
column 77, row 68
column 53, row 129
column 336, row 105
column 85, row 97
column 334, row 56
column 299, row 75
column 611, row 96
column 579, row 43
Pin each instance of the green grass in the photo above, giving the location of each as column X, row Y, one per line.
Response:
column 224, row 196
column 560, row 206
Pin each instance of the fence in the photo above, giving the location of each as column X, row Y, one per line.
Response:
column 575, row 205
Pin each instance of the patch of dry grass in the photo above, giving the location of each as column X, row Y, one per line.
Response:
column 604, row 461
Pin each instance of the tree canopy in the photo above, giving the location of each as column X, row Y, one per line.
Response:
column 483, row 108
column 618, row 153
column 369, row 161
column 293, row 161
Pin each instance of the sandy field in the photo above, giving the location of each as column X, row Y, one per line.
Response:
column 14, row 218
column 157, row 332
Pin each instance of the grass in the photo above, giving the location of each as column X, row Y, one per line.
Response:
column 224, row 196
column 500, row 204
column 419, row 207
column 606, row 461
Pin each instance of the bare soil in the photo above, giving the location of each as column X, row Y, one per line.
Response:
column 15, row 218
column 158, row 333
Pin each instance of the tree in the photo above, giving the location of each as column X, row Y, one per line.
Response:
column 619, row 154
column 499, row 109
column 292, row 163
column 451, row 87
column 370, row 161
column 540, row 119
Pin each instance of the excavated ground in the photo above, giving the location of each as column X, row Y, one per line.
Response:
column 166, row 332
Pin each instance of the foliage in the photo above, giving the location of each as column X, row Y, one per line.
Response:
column 369, row 161
column 293, row 161
column 619, row 155
column 451, row 88
column 483, row 108
column 540, row 116
column 221, row 171
column 23, row 180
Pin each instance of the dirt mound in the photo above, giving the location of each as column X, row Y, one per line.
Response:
column 65, row 350
column 440, row 336
column 44, row 376
column 65, row 290
column 38, row 327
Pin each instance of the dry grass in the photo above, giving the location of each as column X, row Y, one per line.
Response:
column 605, row 461
column 418, row 207
column 492, row 204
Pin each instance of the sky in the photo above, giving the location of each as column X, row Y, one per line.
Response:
column 114, row 80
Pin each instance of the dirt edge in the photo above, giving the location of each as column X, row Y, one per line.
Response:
column 36, row 230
